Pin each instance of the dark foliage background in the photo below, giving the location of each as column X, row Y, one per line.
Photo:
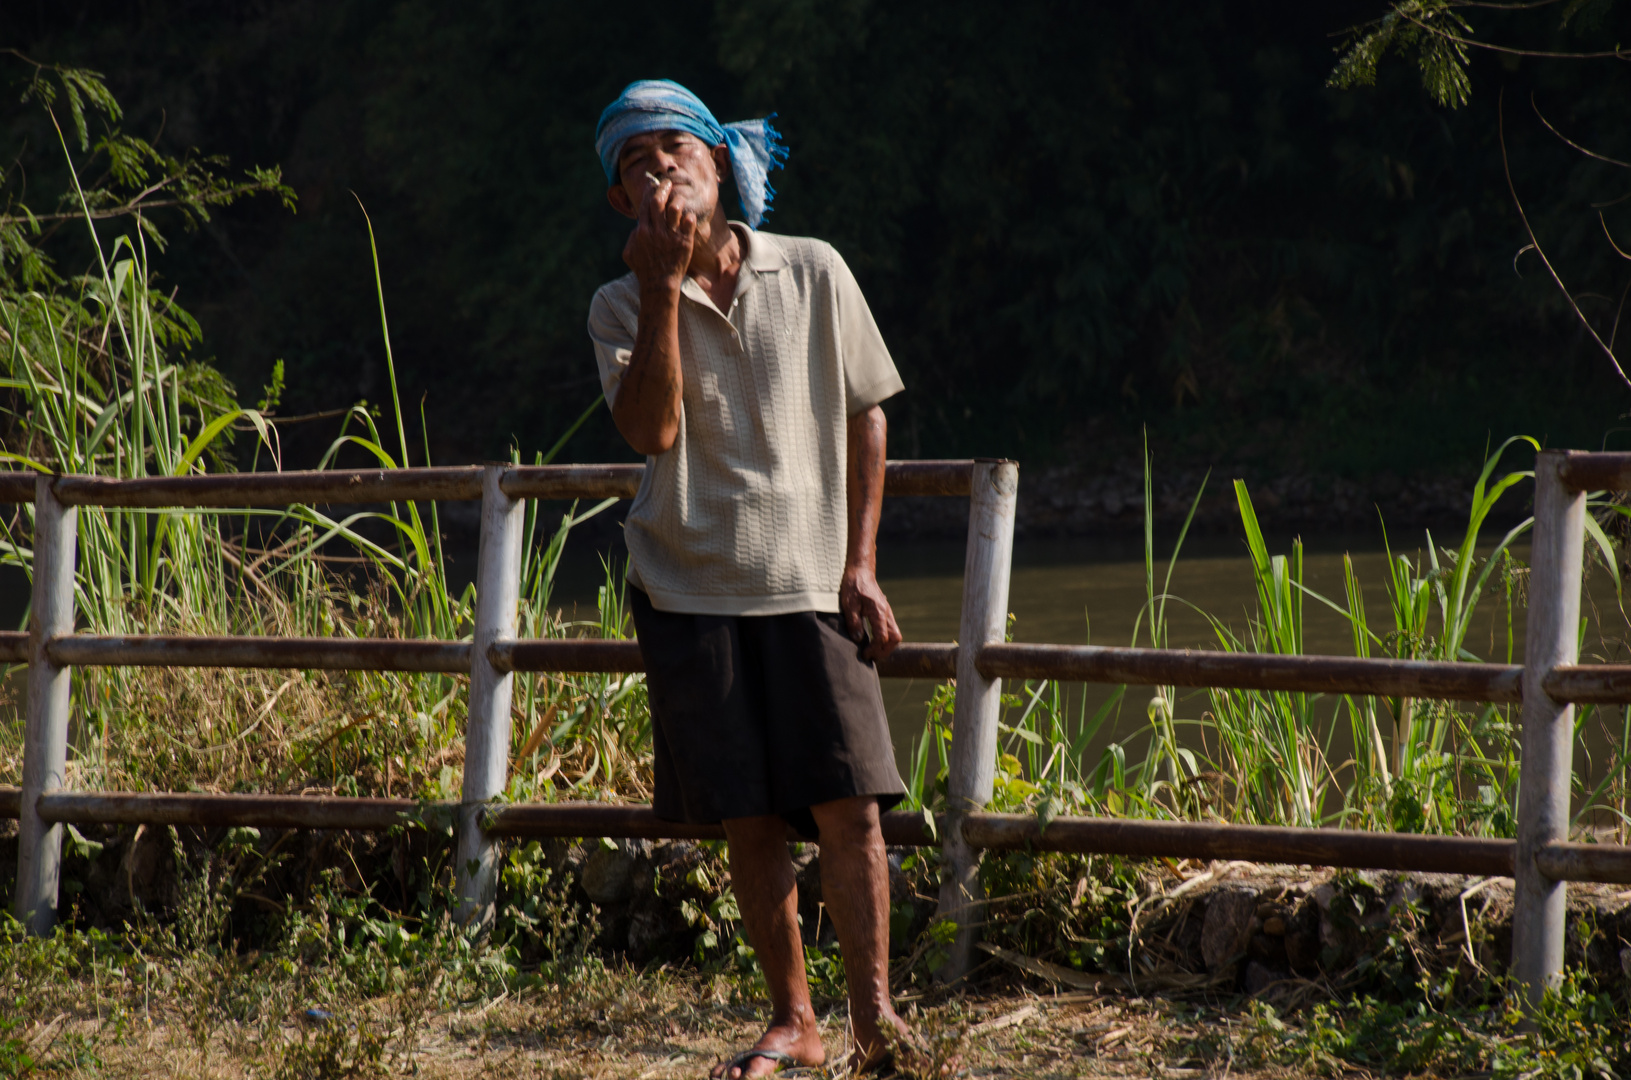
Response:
column 1073, row 221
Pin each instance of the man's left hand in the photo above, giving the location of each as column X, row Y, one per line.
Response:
column 863, row 603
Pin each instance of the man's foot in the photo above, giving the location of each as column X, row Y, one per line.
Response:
column 885, row 1046
column 800, row 1043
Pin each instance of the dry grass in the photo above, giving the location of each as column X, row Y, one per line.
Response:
column 635, row 1025
column 405, row 996
column 351, row 733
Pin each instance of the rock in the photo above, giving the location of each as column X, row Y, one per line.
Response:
column 814, row 923
column 1270, row 950
column 608, row 875
column 671, row 851
column 1407, row 893
column 900, row 886
column 140, row 870
column 1227, row 928
column 563, row 856
column 1330, row 936
column 1303, row 949
column 1260, row 977
column 647, row 928
column 809, row 882
column 1274, row 926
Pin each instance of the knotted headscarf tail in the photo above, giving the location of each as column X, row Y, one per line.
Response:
column 661, row 105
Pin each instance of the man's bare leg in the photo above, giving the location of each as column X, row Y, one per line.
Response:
column 855, row 889
column 766, row 892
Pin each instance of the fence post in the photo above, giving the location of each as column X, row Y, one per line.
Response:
column 1551, row 638
column 45, row 731
column 972, row 764
column 487, row 733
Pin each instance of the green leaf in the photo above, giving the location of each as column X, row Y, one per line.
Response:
column 1606, row 548
column 85, row 849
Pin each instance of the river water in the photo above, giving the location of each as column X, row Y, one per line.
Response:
column 1094, row 592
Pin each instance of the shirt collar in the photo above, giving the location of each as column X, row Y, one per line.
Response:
column 761, row 254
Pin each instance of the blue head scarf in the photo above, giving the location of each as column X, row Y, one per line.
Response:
column 661, row 105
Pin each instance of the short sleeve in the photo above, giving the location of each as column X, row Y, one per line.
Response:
column 869, row 372
column 614, row 341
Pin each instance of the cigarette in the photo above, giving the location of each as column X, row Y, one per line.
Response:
column 655, row 182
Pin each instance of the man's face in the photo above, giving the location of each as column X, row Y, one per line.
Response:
column 693, row 167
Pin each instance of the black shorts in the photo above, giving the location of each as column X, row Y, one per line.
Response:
column 761, row 714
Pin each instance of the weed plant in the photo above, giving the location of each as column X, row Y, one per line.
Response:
column 1266, row 757
column 94, row 388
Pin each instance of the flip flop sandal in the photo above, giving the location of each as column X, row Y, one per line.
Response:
column 786, row 1064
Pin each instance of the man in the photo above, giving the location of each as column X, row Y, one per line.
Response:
column 748, row 369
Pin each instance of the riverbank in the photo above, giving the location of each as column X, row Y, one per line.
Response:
column 1077, row 500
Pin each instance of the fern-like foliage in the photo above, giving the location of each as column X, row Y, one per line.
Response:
column 119, row 176
column 1432, row 30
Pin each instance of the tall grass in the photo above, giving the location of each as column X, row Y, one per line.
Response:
column 93, row 389
column 1275, row 757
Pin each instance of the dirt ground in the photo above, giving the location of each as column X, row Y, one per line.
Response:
column 1411, row 985
column 666, row 1028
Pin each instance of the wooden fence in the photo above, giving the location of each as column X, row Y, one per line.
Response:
column 1541, row 859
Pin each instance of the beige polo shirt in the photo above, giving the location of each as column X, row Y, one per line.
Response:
column 746, row 514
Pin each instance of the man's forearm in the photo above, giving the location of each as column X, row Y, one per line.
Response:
column 867, row 448
column 647, row 409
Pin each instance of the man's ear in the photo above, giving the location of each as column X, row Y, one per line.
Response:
column 722, row 162
column 619, row 198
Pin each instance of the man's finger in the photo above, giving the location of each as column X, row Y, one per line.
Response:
column 885, row 631
column 869, row 608
column 882, row 645
column 648, row 207
column 657, row 199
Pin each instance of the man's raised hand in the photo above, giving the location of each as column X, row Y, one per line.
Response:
column 659, row 248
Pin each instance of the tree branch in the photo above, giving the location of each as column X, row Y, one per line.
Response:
column 1534, row 242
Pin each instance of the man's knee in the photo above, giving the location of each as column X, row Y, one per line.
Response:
column 849, row 823
column 755, row 832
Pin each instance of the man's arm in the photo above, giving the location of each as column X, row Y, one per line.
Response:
column 859, row 597
column 647, row 407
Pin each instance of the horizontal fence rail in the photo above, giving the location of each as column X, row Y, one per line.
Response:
column 315, row 654
column 1364, row 676
column 1347, row 848
column 1540, row 860
column 1594, row 472
column 1256, row 843
column 1256, row 671
column 555, row 655
column 458, row 483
